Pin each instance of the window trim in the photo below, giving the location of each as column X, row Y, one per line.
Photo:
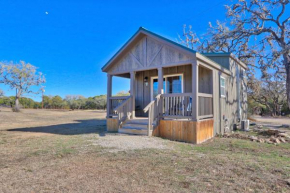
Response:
column 224, row 96
column 165, row 76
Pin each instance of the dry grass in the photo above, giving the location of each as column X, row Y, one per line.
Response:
column 52, row 151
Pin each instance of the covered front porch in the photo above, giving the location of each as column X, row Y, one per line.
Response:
column 177, row 93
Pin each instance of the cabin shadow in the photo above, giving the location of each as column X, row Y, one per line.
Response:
column 97, row 126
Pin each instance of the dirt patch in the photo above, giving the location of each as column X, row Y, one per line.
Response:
column 32, row 123
column 278, row 121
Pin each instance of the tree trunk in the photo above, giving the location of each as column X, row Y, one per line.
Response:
column 17, row 108
column 286, row 61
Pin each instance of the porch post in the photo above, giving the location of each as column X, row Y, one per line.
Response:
column 132, row 92
column 160, row 81
column 160, row 91
column 109, row 93
column 194, row 103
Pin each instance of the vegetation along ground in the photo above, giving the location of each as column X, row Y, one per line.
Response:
column 69, row 151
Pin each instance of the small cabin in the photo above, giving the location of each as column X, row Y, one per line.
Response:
column 175, row 92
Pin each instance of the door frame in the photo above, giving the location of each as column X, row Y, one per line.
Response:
column 165, row 76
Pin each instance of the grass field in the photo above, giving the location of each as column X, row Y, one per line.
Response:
column 69, row 151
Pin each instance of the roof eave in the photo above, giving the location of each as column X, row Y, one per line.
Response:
column 105, row 67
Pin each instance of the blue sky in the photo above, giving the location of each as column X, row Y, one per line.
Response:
column 76, row 38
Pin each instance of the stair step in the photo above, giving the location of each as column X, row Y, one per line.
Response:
column 137, row 121
column 133, row 131
column 134, row 126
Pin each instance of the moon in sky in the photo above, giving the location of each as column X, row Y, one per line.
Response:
column 46, row 13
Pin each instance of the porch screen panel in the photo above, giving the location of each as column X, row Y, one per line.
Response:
column 155, row 87
column 174, row 84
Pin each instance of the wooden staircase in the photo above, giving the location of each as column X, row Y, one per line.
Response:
column 136, row 126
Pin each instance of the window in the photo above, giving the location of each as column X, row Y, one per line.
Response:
column 171, row 84
column 223, row 86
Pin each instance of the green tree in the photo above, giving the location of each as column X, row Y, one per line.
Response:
column 123, row 93
column 26, row 102
column 47, row 102
column 101, row 101
column 57, row 102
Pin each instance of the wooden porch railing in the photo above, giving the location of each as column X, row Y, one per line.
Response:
column 205, row 106
column 153, row 108
column 124, row 110
column 177, row 105
column 115, row 102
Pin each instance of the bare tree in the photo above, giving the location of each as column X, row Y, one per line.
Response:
column 75, row 101
column 21, row 77
column 257, row 32
column 270, row 91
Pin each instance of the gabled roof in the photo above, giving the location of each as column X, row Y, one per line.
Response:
column 144, row 31
column 141, row 32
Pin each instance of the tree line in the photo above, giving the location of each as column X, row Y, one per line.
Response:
column 75, row 102
column 56, row 102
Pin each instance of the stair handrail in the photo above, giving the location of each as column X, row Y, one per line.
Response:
column 124, row 110
column 117, row 108
column 151, row 103
column 153, row 111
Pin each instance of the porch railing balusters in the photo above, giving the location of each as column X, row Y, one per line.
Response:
column 115, row 101
column 178, row 105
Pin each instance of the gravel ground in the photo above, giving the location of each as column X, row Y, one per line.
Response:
column 120, row 142
column 273, row 120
